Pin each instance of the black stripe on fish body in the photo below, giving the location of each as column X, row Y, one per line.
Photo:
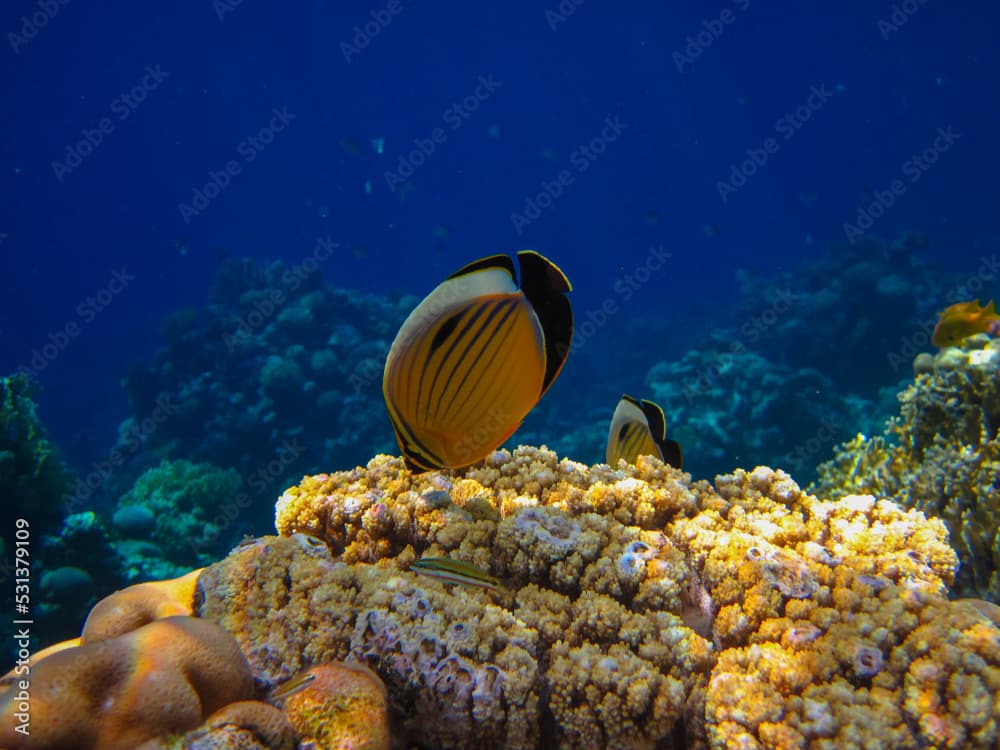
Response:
column 495, row 370
column 481, row 335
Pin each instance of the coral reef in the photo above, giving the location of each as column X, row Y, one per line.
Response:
column 115, row 694
column 33, row 479
column 277, row 358
column 638, row 609
column 183, row 499
column 855, row 302
column 35, row 485
column 786, row 417
column 941, row 455
column 345, row 706
column 142, row 670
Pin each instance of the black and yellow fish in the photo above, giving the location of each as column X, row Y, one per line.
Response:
column 474, row 357
column 638, row 428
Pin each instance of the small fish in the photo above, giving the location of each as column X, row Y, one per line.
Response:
column 638, row 428
column 474, row 357
column 295, row 684
column 455, row 571
column 965, row 319
column 378, row 145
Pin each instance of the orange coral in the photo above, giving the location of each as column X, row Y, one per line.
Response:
column 163, row 677
column 344, row 707
column 244, row 725
column 137, row 605
column 810, row 606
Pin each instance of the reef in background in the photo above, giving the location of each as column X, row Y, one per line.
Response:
column 36, row 486
column 279, row 375
column 941, row 454
column 799, row 361
column 33, row 479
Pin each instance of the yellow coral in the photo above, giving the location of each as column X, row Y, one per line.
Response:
column 816, row 609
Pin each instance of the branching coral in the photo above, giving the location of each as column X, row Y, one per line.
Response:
column 941, row 455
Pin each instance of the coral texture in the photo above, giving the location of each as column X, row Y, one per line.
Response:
column 638, row 609
column 115, row 694
column 941, row 455
column 345, row 707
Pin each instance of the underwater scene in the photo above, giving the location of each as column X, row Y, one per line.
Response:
column 410, row 375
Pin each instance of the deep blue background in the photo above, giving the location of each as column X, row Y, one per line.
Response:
column 119, row 208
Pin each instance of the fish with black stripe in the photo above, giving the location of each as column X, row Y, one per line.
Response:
column 474, row 357
column 638, row 428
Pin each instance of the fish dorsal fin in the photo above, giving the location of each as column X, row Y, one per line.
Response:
column 545, row 286
column 499, row 260
column 990, row 309
column 493, row 275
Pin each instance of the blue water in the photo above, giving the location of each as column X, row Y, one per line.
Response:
column 522, row 95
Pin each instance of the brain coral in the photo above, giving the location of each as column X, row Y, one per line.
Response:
column 115, row 694
column 639, row 610
column 941, row 455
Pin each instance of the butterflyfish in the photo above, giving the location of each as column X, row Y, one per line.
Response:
column 474, row 357
column 455, row 571
column 965, row 319
column 638, row 428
